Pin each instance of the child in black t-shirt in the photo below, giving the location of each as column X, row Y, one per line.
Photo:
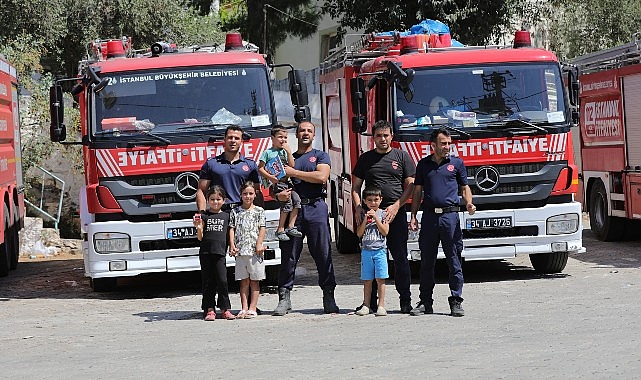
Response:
column 213, row 232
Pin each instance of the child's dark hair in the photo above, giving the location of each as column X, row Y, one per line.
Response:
column 278, row 128
column 372, row 191
column 247, row 184
column 216, row 189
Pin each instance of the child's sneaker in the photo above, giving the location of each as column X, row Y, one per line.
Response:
column 364, row 310
column 293, row 232
column 282, row 236
column 380, row 312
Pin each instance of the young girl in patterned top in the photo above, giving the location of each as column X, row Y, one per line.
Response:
column 247, row 231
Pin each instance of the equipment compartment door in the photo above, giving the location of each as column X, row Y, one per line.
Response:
column 632, row 114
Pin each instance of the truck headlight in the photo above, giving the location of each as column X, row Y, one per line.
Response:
column 111, row 242
column 562, row 224
column 270, row 230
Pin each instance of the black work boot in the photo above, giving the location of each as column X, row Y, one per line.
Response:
column 455, row 306
column 329, row 304
column 406, row 306
column 284, row 302
column 422, row 308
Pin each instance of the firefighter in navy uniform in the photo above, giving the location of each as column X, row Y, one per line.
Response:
column 439, row 177
column 309, row 175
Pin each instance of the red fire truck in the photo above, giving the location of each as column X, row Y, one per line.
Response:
column 611, row 138
column 11, row 185
column 148, row 122
column 511, row 120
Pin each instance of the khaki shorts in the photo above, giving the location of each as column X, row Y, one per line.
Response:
column 250, row 267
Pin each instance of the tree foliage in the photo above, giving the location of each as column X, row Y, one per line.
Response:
column 284, row 17
column 580, row 27
column 50, row 37
column 473, row 22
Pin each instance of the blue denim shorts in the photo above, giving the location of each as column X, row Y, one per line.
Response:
column 374, row 264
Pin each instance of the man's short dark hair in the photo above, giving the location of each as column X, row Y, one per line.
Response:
column 278, row 128
column 303, row 122
column 436, row 132
column 372, row 191
column 233, row 127
column 382, row 124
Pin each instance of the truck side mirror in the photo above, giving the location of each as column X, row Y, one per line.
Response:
column 573, row 87
column 298, row 88
column 298, row 94
column 359, row 105
column 573, row 91
column 57, row 129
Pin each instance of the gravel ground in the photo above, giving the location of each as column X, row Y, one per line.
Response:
column 518, row 324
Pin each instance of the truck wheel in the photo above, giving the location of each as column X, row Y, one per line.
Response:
column 346, row 240
column 106, row 284
column 549, row 262
column 5, row 247
column 605, row 227
column 15, row 246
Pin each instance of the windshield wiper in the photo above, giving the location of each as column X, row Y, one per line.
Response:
column 139, row 138
column 204, row 125
column 513, row 125
column 464, row 135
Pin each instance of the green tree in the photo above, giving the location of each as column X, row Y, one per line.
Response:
column 284, row 18
column 473, row 22
column 51, row 36
column 580, row 27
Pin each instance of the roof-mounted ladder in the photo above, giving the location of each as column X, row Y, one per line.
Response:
column 617, row 56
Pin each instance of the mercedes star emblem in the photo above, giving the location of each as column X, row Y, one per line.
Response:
column 487, row 178
column 187, row 185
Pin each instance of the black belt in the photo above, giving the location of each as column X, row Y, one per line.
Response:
column 310, row 201
column 444, row 210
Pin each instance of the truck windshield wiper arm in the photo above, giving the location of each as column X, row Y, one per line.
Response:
column 204, row 125
column 139, row 136
column 513, row 124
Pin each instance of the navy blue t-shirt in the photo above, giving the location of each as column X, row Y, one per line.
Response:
column 307, row 162
column 440, row 181
column 230, row 175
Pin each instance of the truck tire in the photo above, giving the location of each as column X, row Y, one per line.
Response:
column 549, row 262
column 346, row 240
column 106, row 284
column 605, row 227
column 5, row 246
column 15, row 246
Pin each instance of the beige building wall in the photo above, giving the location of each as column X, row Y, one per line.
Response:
column 306, row 54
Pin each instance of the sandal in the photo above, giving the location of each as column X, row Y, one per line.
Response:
column 250, row 314
column 241, row 314
column 211, row 316
column 227, row 315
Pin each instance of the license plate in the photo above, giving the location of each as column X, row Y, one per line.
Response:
column 482, row 223
column 181, row 232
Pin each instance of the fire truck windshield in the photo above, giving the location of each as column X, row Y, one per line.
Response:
column 171, row 101
column 482, row 97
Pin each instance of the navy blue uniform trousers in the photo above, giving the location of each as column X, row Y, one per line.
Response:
column 313, row 223
column 443, row 228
